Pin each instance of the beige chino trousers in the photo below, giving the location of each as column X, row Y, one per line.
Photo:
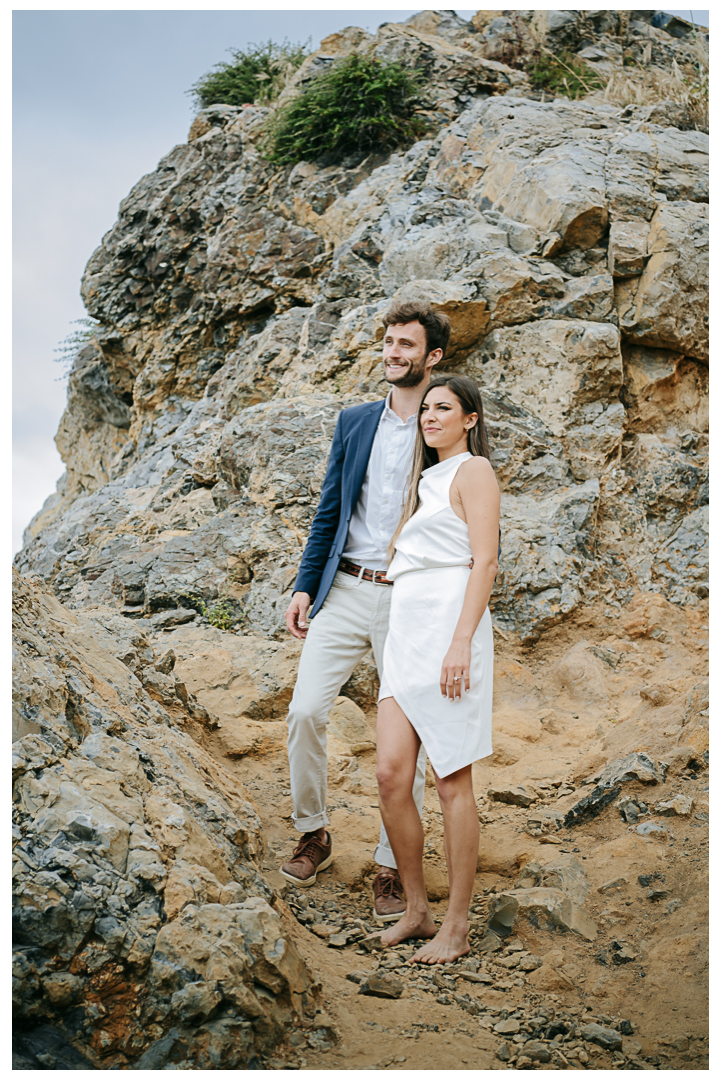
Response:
column 353, row 620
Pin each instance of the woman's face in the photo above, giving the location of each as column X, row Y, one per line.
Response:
column 444, row 424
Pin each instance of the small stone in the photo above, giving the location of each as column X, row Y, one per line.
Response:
column 61, row 987
column 657, row 894
column 523, row 1062
column 174, row 617
column 536, row 1051
column 384, row 986
column 583, row 1057
column 612, row 886
column 489, row 943
column 507, row 1027
column 338, row 941
column 673, row 906
column 680, row 805
column 542, row 821
column 626, row 1027
column 530, row 963
column 606, row 1037
column 617, row 952
column 166, row 662
column 357, row 976
column 514, row 794
column 647, row 828
column 631, row 809
column 371, row 944
column 679, row 1043
column 504, row 1051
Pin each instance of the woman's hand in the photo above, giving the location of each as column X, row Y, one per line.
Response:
column 455, row 673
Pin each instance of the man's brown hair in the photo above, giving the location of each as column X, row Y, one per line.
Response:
column 436, row 325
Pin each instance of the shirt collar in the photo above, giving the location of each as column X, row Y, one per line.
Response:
column 388, row 413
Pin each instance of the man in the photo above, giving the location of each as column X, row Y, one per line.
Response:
column 342, row 574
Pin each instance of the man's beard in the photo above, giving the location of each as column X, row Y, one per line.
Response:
column 413, row 376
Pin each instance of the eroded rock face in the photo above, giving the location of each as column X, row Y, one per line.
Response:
column 241, row 309
column 132, row 847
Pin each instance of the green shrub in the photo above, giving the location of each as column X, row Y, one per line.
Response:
column 220, row 614
column 359, row 104
column 565, row 75
column 257, row 74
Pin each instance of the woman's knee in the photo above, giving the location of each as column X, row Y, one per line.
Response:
column 457, row 785
column 391, row 780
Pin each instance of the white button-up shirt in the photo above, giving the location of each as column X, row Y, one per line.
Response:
column 380, row 504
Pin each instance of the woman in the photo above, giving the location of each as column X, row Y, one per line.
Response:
column 438, row 660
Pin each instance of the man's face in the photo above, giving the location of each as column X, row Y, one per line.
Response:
column 405, row 354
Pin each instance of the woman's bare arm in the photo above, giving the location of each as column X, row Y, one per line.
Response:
column 475, row 498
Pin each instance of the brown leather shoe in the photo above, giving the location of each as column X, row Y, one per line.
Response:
column 310, row 856
column 388, row 895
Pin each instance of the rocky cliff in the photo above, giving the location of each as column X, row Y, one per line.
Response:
column 239, row 309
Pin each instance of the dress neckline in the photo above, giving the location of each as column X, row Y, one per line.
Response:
column 448, row 461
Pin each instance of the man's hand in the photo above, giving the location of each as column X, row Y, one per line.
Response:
column 296, row 615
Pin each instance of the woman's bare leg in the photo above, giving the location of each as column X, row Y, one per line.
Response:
column 397, row 751
column 462, row 837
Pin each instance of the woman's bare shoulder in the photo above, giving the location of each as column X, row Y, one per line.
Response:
column 474, row 471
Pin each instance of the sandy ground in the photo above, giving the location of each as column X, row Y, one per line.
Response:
column 564, row 708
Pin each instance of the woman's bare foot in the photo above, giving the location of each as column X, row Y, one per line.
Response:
column 409, row 926
column 447, row 945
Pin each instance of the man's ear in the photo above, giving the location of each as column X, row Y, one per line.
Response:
column 434, row 358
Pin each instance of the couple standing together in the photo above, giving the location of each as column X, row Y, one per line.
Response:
column 401, row 558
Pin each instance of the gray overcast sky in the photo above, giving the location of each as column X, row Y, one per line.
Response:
column 98, row 98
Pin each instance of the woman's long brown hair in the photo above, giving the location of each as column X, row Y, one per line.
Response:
column 424, row 456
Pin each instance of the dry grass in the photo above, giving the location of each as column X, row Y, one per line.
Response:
column 686, row 85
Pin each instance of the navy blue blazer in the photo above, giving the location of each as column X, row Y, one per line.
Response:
column 347, row 465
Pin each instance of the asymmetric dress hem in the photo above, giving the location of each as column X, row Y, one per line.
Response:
column 430, row 571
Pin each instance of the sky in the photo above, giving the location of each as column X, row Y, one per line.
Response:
column 98, row 98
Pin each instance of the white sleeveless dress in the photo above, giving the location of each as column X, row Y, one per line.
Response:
column 430, row 572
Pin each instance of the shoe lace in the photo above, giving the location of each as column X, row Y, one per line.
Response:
column 389, row 885
column 310, row 847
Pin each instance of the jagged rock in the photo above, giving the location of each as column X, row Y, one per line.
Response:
column 606, row 1037
column 631, row 809
column 650, row 828
column 665, row 306
column 679, row 805
column 543, row 821
column 565, row 873
column 515, row 794
column 536, row 1051
column 627, row 248
column 617, row 952
column 378, row 985
column 547, row 907
column 662, row 390
column 591, row 805
column 117, row 808
column 633, row 767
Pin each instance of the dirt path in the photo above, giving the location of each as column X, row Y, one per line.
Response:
column 555, row 725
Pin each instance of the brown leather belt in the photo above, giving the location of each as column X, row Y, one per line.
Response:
column 376, row 576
